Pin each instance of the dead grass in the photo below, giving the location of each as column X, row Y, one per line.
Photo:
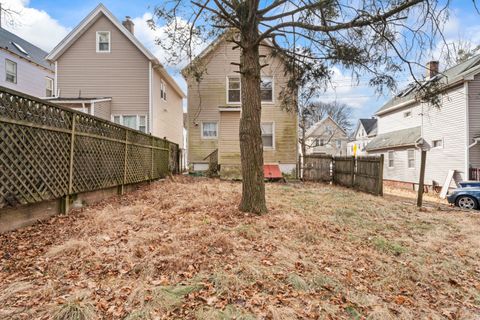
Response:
column 181, row 249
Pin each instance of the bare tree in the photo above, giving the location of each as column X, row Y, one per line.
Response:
column 8, row 16
column 379, row 38
column 459, row 51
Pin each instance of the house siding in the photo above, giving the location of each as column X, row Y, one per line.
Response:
column 205, row 98
column 330, row 140
column 474, row 120
column 30, row 77
column 122, row 74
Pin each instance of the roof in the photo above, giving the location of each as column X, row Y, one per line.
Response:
column 370, row 125
column 395, row 139
column 317, row 125
column 449, row 76
column 23, row 48
column 89, row 20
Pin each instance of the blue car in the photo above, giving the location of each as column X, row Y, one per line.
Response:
column 467, row 196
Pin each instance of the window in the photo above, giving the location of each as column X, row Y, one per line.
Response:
column 234, row 92
column 391, row 159
column 411, row 158
column 407, row 114
column 328, row 129
column 10, row 71
column 103, row 41
column 163, row 91
column 266, row 89
column 209, row 130
column 268, row 135
column 339, row 143
column 48, row 87
column 437, row 143
column 137, row 122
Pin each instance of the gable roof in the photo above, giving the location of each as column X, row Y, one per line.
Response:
column 88, row 21
column 318, row 124
column 23, row 49
column 369, row 125
column 395, row 139
column 448, row 77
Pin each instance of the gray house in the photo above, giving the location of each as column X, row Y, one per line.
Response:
column 23, row 66
column 450, row 132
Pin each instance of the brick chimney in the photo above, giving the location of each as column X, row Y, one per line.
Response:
column 128, row 23
column 432, row 69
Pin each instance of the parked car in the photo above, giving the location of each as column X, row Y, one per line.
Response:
column 467, row 196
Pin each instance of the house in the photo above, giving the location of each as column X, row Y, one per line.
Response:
column 214, row 108
column 24, row 67
column 366, row 130
column 326, row 137
column 104, row 70
column 450, row 132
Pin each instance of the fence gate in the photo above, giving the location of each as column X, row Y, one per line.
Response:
column 344, row 171
column 317, row 168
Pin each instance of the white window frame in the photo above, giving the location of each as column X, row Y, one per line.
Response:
column 137, row 123
column 228, row 89
column 97, row 42
column 438, row 147
column 408, row 159
column 163, row 91
column 407, row 114
column 393, row 159
column 273, row 135
column 273, row 90
column 49, row 80
column 208, row 137
column 7, row 73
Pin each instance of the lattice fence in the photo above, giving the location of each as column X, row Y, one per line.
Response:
column 48, row 152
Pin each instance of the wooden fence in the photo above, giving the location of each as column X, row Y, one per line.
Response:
column 361, row 173
column 50, row 152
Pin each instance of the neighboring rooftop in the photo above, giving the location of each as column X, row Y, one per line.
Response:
column 23, row 48
column 448, row 76
column 370, row 125
column 395, row 139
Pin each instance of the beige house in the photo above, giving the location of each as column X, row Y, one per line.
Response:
column 214, row 108
column 101, row 68
column 326, row 137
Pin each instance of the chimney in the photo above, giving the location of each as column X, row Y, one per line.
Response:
column 128, row 23
column 432, row 69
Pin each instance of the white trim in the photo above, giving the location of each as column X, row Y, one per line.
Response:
column 201, row 130
column 467, row 133
column 230, row 109
column 97, row 42
column 54, row 99
column 388, row 159
column 150, row 97
column 273, row 135
column 55, row 83
column 227, row 87
column 92, row 108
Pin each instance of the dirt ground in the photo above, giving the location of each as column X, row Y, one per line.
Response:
column 180, row 249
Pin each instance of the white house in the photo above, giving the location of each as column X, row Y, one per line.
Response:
column 326, row 137
column 24, row 67
column 450, row 132
column 365, row 131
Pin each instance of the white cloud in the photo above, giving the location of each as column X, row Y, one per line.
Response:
column 33, row 25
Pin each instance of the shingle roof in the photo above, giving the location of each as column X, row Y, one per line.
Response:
column 448, row 76
column 369, row 125
column 399, row 138
column 15, row 44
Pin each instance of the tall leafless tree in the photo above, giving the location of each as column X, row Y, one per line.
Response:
column 379, row 38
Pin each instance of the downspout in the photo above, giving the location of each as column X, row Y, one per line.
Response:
column 55, row 83
column 150, row 111
column 467, row 134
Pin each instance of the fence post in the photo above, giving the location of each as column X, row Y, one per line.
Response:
column 65, row 202
column 353, row 171
column 121, row 188
column 153, row 154
column 380, row 176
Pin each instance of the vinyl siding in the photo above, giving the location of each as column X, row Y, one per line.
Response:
column 400, row 170
column 102, row 110
column 396, row 120
column 167, row 115
column 330, row 140
column 205, row 98
column 121, row 74
column 229, row 144
column 30, row 77
column 474, row 119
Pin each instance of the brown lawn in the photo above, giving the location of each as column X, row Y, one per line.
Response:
column 181, row 250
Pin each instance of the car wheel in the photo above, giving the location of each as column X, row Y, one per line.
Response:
column 467, row 202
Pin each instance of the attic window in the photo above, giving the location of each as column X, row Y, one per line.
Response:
column 103, row 41
column 19, row 48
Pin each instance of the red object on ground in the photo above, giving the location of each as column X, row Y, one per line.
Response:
column 272, row 171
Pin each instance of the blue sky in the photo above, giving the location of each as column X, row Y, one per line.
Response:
column 46, row 22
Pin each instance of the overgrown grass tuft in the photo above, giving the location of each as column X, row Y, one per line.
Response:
column 297, row 282
column 74, row 310
column 387, row 246
column 229, row 313
column 170, row 296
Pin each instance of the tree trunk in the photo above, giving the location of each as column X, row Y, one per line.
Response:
column 251, row 147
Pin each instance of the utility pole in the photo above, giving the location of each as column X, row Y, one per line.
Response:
column 422, row 178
